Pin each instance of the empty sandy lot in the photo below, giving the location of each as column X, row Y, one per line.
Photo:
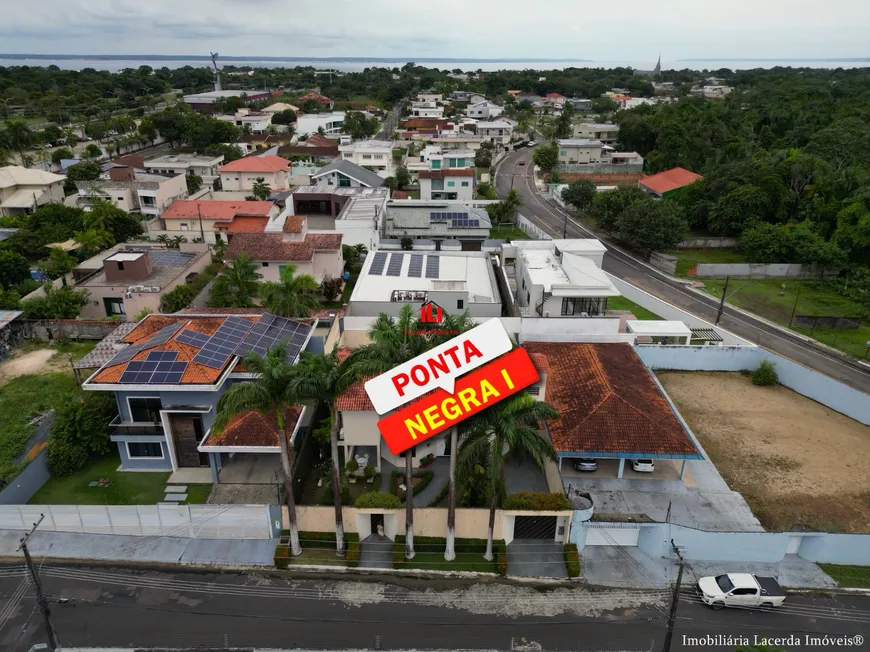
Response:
column 34, row 362
column 799, row 464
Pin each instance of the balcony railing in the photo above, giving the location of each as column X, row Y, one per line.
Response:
column 118, row 427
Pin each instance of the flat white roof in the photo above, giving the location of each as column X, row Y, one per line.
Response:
column 457, row 273
column 658, row 328
column 574, row 245
column 182, row 159
column 575, row 276
column 123, row 256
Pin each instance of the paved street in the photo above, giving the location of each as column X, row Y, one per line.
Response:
column 553, row 220
column 105, row 606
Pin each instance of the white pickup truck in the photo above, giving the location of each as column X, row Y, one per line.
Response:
column 740, row 590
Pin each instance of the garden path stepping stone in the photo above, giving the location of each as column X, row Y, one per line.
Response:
column 176, row 489
column 175, row 497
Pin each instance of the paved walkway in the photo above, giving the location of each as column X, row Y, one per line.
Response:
column 524, row 477
column 440, row 477
column 536, row 558
column 375, row 552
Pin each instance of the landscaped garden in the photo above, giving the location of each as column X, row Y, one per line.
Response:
column 318, row 549
column 621, row 303
column 507, row 233
column 429, row 555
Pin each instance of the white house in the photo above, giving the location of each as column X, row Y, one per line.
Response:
column 344, row 174
column 309, row 123
column 376, row 155
column 22, row 190
column 426, row 110
column 484, row 110
column 451, row 184
column 258, row 121
column 243, row 173
column 430, row 96
column 203, row 166
column 605, row 132
column 498, row 132
column 132, row 190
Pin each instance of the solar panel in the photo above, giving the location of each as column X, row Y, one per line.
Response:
column 160, row 337
column 271, row 330
column 378, row 263
column 223, row 343
column 433, row 266
column 395, row 267
column 161, row 355
column 154, row 372
column 415, row 268
column 193, row 338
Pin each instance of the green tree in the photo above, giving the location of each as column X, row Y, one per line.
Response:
column 546, row 157
column 57, row 303
column 9, row 299
column 508, row 429
column 403, row 177
column 284, row 117
column 93, row 241
column 105, row 216
column 147, row 129
column 18, row 136
column 176, row 299
column 237, row 286
column 609, row 205
column 271, row 394
column 290, row 296
column 229, row 152
column 652, row 226
column 564, row 125
column 13, row 268
column 486, row 191
column 261, row 189
column 92, row 151
column 194, row 182
column 80, row 172
column 61, row 153
column 579, row 194
column 358, row 126
column 483, row 156
column 58, row 264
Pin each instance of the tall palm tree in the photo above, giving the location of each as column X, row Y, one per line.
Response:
column 19, row 135
column 238, row 284
column 261, row 190
column 512, row 202
column 271, row 394
column 290, row 296
column 510, row 428
column 394, row 341
column 92, row 241
column 323, row 378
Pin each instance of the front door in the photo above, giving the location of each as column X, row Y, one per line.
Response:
column 377, row 521
column 186, row 435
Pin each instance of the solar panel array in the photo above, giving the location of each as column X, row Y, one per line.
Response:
column 433, row 266
column 461, row 222
column 223, row 343
column 272, row 329
column 415, row 268
column 439, row 216
column 166, row 258
column 395, row 266
column 156, row 371
column 160, row 337
column 378, row 263
column 193, row 338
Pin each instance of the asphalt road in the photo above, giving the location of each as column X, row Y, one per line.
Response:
column 552, row 219
column 103, row 606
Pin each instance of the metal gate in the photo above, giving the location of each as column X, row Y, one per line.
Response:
column 535, row 527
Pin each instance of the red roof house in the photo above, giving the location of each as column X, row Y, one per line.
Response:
column 665, row 182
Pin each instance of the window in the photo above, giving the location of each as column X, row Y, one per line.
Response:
column 450, row 184
column 465, row 184
column 114, row 307
column 534, row 390
column 572, row 306
column 148, row 201
column 524, row 283
column 460, row 304
column 120, row 199
column 137, row 449
column 264, row 264
column 528, row 297
column 367, row 156
column 746, row 591
column 379, row 156
column 120, row 265
column 184, row 226
column 562, row 153
column 437, row 184
column 436, row 164
column 145, row 410
column 348, row 155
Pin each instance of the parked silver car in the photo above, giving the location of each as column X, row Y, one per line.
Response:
column 584, row 464
column 643, row 466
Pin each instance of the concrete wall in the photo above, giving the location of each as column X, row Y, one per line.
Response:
column 669, row 311
column 52, row 329
column 26, row 483
column 757, row 270
column 707, row 243
column 664, row 262
column 803, row 380
column 531, row 230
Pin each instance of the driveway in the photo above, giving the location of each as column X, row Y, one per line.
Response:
column 375, row 552
column 524, row 477
column 536, row 558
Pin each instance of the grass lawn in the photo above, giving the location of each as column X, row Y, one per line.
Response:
column 508, row 233
column 23, row 398
column 857, row 577
column 465, row 561
column 360, row 99
column 317, row 557
column 125, row 488
column 768, row 299
column 77, row 350
column 621, row 303
column 413, row 194
column 688, row 258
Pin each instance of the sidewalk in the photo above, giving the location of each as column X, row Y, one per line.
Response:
column 116, row 547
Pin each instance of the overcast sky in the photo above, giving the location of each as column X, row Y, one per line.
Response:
column 582, row 29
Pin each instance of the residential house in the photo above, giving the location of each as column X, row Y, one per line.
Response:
column 583, row 151
column 243, row 173
column 554, row 100
column 204, row 166
column 430, row 126
column 310, row 155
column 605, row 132
column 252, row 143
column 427, row 110
column 513, row 93
column 313, row 96
column 310, row 123
column 133, row 191
column 430, row 96
column 208, row 102
column 222, row 217
column 454, row 184
column 670, row 181
column 457, row 141
column 438, row 222
column 278, row 107
column 474, row 98
column 560, row 278
column 258, row 122
column 460, row 96
column 458, row 281
column 375, row 155
column 23, row 190
column 345, row 174
column 498, row 132
column 354, row 212
column 534, row 99
column 167, row 376
column 434, row 157
column 579, row 104
column 484, row 110
column 128, row 278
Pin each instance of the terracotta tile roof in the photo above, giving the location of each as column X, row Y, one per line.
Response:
column 542, row 364
column 326, row 152
column 400, row 194
column 555, row 96
column 254, row 428
column 318, row 140
column 669, row 180
column 320, row 241
column 442, row 174
column 354, row 397
column 608, row 402
column 422, row 123
column 269, row 246
column 224, row 211
column 257, row 164
column 256, row 310
column 317, row 97
column 293, row 224
column 248, row 225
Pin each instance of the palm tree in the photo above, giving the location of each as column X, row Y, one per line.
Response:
column 261, row 189
column 394, row 341
column 163, row 239
column 290, row 296
column 510, row 428
column 92, row 241
column 237, row 286
column 19, row 135
column 272, row 395
column 324, row 378
column 511, row 203
column 176, row 242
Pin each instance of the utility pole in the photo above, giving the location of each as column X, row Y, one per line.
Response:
column 565, row 228
column 722, row 302
column 794, row 308
column 675, row 600
column 40, row 597
column 199, row 215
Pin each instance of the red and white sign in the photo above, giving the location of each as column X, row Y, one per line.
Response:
column 439, row 367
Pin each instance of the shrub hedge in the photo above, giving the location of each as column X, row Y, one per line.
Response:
column 537, row 502
column 378, row 499
column 572, row 560
column 765, row 375
column 437, row 544
column 397, row 476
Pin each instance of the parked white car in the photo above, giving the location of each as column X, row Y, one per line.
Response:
column 584, row 464
column 643, row 466
column 740, row 590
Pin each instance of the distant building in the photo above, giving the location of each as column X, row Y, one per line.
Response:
column 314, row 96
column 438, row 222
column 133, row 191
column 23, row 190
column 664, row 183
column 579, row 104
column 310, row 123
column 258, row 121
column 281, row 106
column 376, row 155
column 205, row 102
column 605, row 132
column 203, row 166
column 498, row 132
column 484, row 110
column 243, row 173
column 430, row 96
column 223, row 217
